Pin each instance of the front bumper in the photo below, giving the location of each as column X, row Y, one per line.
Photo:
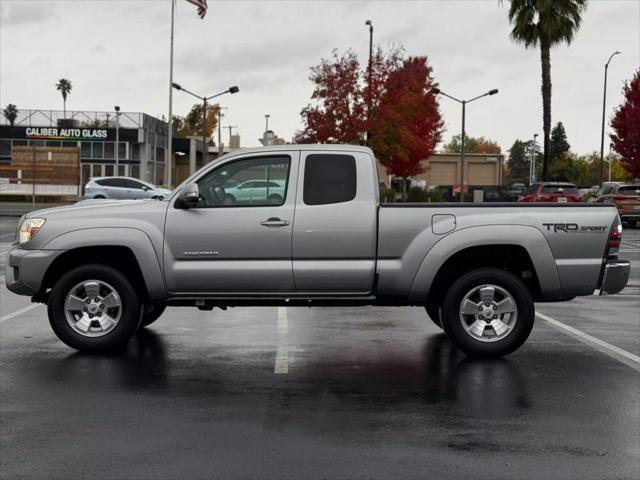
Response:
column 615, row 276
column 26, row 268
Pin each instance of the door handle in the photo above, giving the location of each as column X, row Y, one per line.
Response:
column 274, row 222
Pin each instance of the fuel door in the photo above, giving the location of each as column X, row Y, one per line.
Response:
column 443, row 223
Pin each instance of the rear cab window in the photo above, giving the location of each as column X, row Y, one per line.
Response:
column 329, row 178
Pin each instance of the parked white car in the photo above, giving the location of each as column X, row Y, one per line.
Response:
column 255, row 191
column 123, row 188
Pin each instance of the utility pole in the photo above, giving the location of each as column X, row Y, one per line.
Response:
column 266, row 122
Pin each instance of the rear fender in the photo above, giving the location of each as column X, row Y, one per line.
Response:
column 530, row 238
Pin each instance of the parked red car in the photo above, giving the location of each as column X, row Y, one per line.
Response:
column 558, row 192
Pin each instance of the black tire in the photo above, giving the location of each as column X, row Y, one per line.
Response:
column 434, row 314
column 130, row 314
column 99, row 197
column 453, row 325
column 152, row 313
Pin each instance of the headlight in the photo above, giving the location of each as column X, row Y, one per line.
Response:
column 29, row 228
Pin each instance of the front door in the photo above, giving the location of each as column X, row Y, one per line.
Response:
column 230, row 243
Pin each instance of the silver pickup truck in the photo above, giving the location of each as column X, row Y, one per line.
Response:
column 309, row 230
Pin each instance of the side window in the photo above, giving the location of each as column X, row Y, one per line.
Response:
column 608, row 190
column 251, row 182
column 329, row 178
column 133, row 184
column 111, row 182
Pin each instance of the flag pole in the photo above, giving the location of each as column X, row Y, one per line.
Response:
column 169, row 157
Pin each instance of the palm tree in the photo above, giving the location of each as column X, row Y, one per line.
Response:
column 64, row 86
column 545, row 23
column 10, row 113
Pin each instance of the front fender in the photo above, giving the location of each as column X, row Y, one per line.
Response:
column 134, row 239
column 530, row 238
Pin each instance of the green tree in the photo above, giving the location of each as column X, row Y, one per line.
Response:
column 64, row 87
column 518, row 165
column 191, row 124
column 545, row 23
column 471, row 145
column 10, row 112
column 558, row 143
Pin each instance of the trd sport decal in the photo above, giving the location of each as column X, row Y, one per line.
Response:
column 573, row 228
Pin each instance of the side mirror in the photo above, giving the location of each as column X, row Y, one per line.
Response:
column 145, row 188
column 189, row 196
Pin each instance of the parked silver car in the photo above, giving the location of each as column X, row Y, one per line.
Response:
column 123, row 188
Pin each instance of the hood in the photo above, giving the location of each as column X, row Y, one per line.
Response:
column 86, row 206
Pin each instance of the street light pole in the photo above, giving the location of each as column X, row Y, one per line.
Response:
column 464, row 110
column 266, row 121
column 117, row 109
column 369, row 69
column 230, row 90
column 205, row 149
column 604, row 104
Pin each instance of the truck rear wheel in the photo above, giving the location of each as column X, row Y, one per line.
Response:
column 94, row 308
column 488, row 312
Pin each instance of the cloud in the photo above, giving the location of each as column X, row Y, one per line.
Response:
column 16, row 14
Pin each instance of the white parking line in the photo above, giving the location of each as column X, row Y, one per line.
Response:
column 619, row 354
column 9, row 316
column 282, row 355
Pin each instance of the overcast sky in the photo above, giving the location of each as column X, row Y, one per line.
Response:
column 116, row 52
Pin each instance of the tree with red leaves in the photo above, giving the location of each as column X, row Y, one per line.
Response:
column 626, row 124
column 404, row 121
column 407, row 125
column 339, row 115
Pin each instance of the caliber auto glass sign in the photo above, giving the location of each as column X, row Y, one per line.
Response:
column 66, row 133
column 73, row 134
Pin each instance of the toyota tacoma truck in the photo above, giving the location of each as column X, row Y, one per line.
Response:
column 305, row 227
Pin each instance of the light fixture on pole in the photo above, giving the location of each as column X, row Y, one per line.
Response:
column 464, row 105
column 117, row 109
column 604, row 104
column 232, row 90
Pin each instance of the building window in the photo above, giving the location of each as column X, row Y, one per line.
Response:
column 36, row 143
column 5, row 148
column 329, row 178
column 52, row 143
column 159, row 154
column 109, row 151
column 98, row 150
column 20, row 142
column 85, row 149
column 70, row 144
column 122, row 150
column 135, row 151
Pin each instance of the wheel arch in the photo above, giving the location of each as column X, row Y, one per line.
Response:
column 515, row 248
column 126, row 249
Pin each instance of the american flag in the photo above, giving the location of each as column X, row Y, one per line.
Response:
column 202, row 6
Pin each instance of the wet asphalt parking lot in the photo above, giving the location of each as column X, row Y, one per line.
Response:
column 323, row 393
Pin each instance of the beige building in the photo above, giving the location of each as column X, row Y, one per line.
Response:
column 443, row 169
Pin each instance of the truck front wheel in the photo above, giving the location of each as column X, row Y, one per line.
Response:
column 488, row 312
column 94, row 308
